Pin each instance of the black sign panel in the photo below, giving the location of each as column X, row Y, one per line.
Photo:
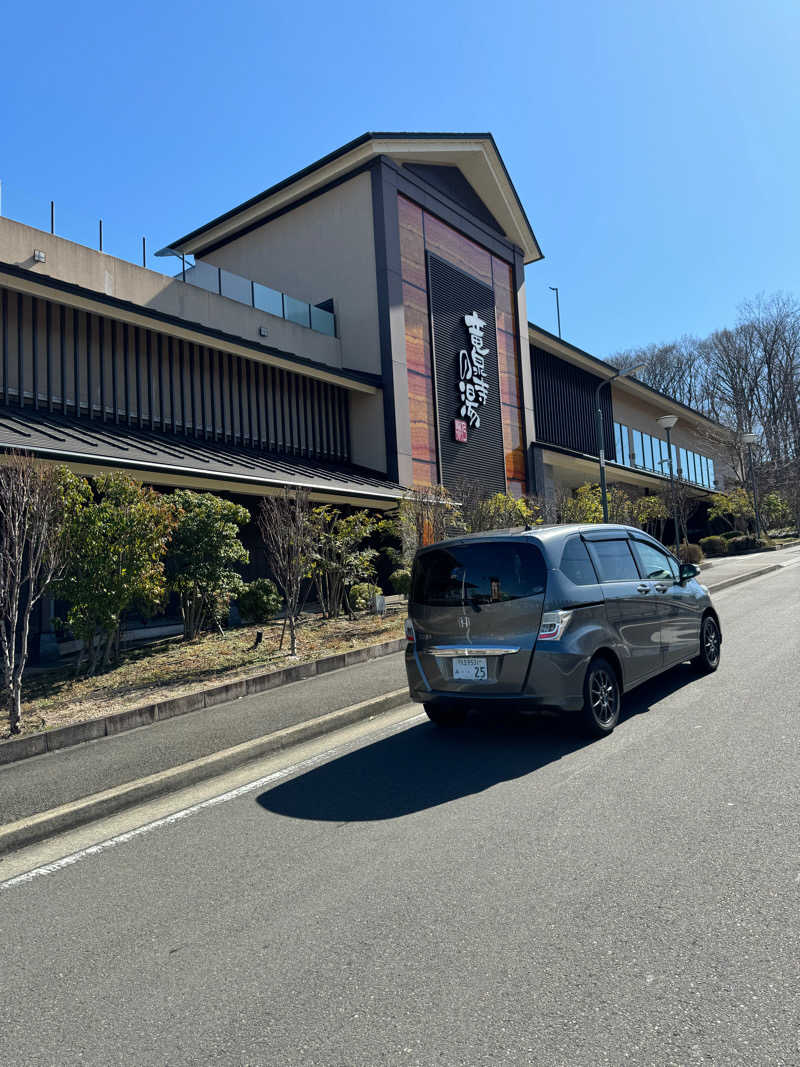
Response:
column 467, row 378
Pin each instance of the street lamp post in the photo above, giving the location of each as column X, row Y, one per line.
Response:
column 666, row 422
column 600, row 431
column 750, row 439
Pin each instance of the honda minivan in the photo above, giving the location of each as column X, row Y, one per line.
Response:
column 556, row 617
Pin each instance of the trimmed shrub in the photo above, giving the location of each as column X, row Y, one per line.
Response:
column 730, row 534
column 690, row 553
column 361, row 595
column 259, row 601
column 401, row 580
column 746, row 543
column 714, row 546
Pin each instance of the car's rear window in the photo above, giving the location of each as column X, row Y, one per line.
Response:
column 575, row 563
column 482, row 573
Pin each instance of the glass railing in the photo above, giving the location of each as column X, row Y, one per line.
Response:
column 318, row 317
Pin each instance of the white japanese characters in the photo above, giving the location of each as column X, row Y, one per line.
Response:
column 473, row 385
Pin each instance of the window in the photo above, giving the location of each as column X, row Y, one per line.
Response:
column 654, row 563
column 683, row 466
column 674, row 460
column 663, row 466
column 638, row 449
column 711, row 482
column 704, row 466
column 492, row 572
column 614, row 561
column 576, row 564
column 626, row 445
column 622, row 442
column 647, row 441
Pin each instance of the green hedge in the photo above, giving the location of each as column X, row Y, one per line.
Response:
column 714, row 546
column 259, row 601
column 691, row 553
column 746, row 543
column 361, row 595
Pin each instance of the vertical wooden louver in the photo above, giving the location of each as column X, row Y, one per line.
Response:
column 85, row 365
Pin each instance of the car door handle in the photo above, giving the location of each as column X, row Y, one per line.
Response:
column 660, row 588
column 643, row 588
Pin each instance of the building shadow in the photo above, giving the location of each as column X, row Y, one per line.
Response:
column 425, row 766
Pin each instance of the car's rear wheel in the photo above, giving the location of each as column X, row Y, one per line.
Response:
column 710, row 645
column 446, row 714
column 602, row 698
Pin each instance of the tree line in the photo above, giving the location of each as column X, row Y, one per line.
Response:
column 747, row 378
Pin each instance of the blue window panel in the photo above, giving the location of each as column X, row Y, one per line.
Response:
column 626, row 445
column 683, row 465
column 638, row 449
column 711, row 480
column 618, row 441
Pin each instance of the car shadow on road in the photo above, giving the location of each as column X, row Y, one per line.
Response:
column 420, row 768
column 425, row 765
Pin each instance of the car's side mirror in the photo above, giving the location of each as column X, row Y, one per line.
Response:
column 688, row 570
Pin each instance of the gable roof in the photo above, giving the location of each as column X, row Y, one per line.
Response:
column 475, row 154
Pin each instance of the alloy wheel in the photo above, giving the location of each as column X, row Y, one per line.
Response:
column 711, row 642
column 603, row 696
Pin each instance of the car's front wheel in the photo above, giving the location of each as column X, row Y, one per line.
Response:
column 446, row 714
column 602, row 698
column 710, row 644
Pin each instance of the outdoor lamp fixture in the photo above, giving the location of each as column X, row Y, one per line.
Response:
column 601, row 451
column 666, row 422
column 750, row 439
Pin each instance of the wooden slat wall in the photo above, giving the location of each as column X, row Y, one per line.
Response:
column 77, row 363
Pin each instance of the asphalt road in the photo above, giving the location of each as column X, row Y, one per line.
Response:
column 499, row 894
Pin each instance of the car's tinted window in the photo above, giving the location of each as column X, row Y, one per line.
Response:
column 485, row 573
column 655, row 564
column 614, row 561
column 575, row 563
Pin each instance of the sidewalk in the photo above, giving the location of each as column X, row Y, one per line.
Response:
column 720, row 570
column 44, row 782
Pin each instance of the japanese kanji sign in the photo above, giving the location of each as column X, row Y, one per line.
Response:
column 473, row 384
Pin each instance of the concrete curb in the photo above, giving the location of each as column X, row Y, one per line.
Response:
column 726, row 582
column 146, row 714
column 27, row 831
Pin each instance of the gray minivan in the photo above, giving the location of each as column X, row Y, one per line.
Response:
column 553, row 617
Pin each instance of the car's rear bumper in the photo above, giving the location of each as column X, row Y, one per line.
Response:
column 555, row 681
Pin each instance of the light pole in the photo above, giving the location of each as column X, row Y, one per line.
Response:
column 558, row 309
column 750, row 439
column 598, row 422
column 666, row 422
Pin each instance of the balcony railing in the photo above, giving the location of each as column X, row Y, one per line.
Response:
column 319, row 317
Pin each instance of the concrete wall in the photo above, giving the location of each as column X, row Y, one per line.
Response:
column 101, row 273
column 320, row 250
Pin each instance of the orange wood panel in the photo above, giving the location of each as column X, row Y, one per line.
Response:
column 424, row 473
column 418, row 344
column 412, row 244
column 446, row 242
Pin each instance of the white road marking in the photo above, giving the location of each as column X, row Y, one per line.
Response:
column 184, row 813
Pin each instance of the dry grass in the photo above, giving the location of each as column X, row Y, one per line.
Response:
column 175, row 667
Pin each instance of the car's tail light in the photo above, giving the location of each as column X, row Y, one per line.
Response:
column 553, row 625
column 410, row 637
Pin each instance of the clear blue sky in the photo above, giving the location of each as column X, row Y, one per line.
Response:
column 655, row 146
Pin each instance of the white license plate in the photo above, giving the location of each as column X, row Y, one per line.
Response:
column 470, row 668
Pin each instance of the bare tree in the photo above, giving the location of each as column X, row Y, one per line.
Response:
column 33, row 551
column 286, row 527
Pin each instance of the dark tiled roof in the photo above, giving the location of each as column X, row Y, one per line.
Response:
column 116, row 445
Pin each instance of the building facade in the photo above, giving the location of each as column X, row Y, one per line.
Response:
column 357, row 329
